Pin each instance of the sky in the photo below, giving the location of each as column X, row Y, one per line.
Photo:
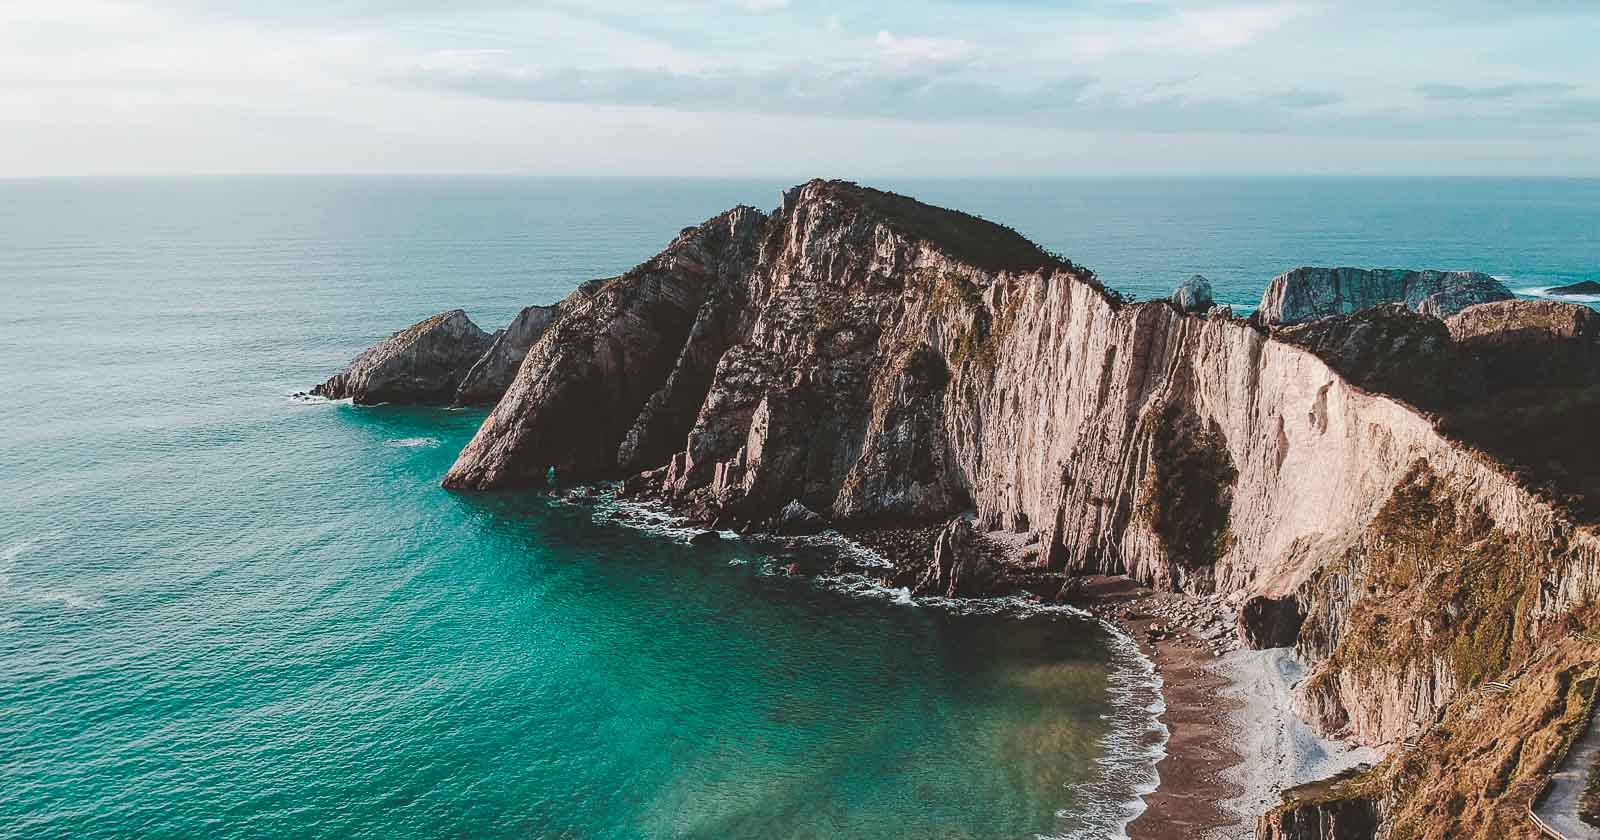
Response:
column 801, row 88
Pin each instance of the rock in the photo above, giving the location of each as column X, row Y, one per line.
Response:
column 705, row 538
column 1328, row 819
column 612, row 350
column 1306, row 294
column 422, row 364
column 796, row 518
column 1587, row 287
column 879, row 358
column 1391, row 350
column 1193, row 296
column 958, row 569
column 1270, row 622
column 492, row 374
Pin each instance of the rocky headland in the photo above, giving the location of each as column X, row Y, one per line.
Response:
column 1387, row 475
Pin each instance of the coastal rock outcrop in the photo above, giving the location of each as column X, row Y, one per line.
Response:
column 493, row 372
column 1193, row 295
column 1333, row 819
column 960, row 568
column 423, row 363
column 876, row 359
column 1308, row 293
column 1586, row 287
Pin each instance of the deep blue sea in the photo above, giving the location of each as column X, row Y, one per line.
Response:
column 225, row 614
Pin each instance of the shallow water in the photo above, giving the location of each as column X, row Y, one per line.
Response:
column 225, row 613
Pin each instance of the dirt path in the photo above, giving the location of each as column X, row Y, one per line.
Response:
column 1560, row 806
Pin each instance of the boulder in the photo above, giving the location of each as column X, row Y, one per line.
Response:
column 1306, row 294
column 1193, row 296
column 796, row 518
column 492, row 374
column 959, row 567
column 422, row 364
column 705, row 538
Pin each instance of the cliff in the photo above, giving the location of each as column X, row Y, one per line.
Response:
column 489, row 377
column 875, row 359
column 1306, row 294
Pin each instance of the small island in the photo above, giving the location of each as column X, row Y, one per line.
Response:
column 1587, row 287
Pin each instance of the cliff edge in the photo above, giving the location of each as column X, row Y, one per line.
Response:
column 873, row 359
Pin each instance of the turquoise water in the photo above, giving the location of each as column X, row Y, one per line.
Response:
column 225, row 614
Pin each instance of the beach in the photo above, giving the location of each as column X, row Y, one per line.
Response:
column 1233, row 741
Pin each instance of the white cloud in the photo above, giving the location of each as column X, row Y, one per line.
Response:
column 921, row 50
column 1201, row 30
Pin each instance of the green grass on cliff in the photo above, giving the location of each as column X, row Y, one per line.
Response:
column 1187, row 495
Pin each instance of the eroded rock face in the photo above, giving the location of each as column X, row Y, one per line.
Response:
column 615, row 349
column 1270, row 622
column 1306, row 294
column 1392, row 350
column 1338, row 819
column 875, row 358
column 960, row 565
column 423, row 364
column 1193, row 295
column 492, row 374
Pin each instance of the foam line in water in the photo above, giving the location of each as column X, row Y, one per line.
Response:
column 414, row 443
column 1136, row 738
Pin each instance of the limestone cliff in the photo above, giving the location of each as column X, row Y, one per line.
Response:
column 875, row 358
column 1306, row 294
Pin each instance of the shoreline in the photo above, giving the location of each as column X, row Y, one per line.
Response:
column 1234, row 743
column 1187, row 801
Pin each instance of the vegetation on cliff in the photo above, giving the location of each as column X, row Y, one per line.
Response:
column 1187, row 494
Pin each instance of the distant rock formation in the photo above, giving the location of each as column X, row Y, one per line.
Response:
column 1587, row 287
column 444, row 360
column 1193, row 295
column 492, row 374
column 1306, row 294
column 423, row 363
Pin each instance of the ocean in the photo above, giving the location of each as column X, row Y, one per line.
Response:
column 228, row 614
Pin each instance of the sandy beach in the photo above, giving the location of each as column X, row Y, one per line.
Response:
column 1233, row 742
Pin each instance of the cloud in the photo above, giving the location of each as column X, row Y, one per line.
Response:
column 1202, row 30
column 1298, row 98
column 1487, row 93
column 856, row 91
column 921, row 50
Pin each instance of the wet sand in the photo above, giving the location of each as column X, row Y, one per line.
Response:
column 1188, row 804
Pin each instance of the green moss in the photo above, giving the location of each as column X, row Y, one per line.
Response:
column 1442, row 582
column 1187, row 495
